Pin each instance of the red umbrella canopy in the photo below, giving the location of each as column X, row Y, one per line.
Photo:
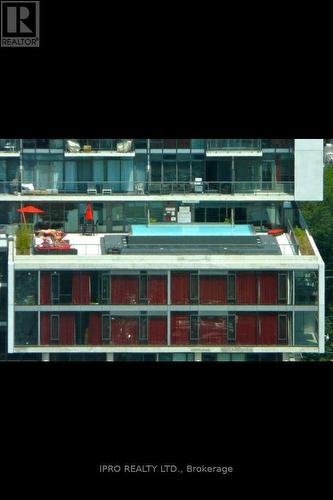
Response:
column 30, row 209
column 88, row 215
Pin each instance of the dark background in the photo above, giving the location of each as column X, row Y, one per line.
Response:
column 146, row 70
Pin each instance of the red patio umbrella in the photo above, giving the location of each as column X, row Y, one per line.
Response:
column 30, row 209
column 88, row 215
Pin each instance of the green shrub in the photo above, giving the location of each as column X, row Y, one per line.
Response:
column 23, row 239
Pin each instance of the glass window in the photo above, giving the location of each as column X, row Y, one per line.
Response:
column 231, row 330
column 3, row 304
column 194, row 329
column 169, row 171
column 194, row 287
column 180, row 356
column 106, row 332
column 26, row 328
column 105, row 288
column 143, row 287
column 54, row 328
column 306, row 287
column 26, row 287
column 231, row 288
column 306, row 328
column 283, row 288
column 283, row 329
column 156, row 171
column 184, row 171
column 143, row 331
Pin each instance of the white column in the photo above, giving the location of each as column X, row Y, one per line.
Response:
column 10, row 291
column 168, row 313
column 46, row 356
column 109, row 356
column 197, row 356
column 321, row 306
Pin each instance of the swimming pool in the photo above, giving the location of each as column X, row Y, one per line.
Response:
column 192, row 230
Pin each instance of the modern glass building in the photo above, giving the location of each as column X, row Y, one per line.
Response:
column 196, row 249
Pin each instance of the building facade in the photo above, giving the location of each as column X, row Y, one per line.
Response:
column 226, row 288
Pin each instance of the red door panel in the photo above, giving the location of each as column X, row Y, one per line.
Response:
column 246, row 329
column 213, row 331
column 157, row 289
column 124, row 330
column 268, row 329
column 268, row 288
column 157, row 330
column 180, row 288
column 246, row 285
column 124, row 289
column 213, row 289
column 180, row 328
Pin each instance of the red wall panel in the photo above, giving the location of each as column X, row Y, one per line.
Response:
column 124, row 289
column 180, row 288
column 44, row 328
column 213, row 331
column 81, row 288
column 67, row 329
column 157, row 330
column 246, row 285
column 94, row 334
column 213, row 289
column 45, row 288
column 246, row 329
column 180, row 328
column 268, row 329
column 268, row 288
column 157, row 289
column 124, row 330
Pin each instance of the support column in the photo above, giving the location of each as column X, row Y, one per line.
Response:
column 197, row 356
column 109, row 356
column 169, row 313
column 45, row 356
column 10, row 291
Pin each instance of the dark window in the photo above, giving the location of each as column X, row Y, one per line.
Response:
column 143, row 287
column 54, row 328
column 194, row 287
column 105, row 288
column 231, row 330
column 55, row 288
column 283, row 288
column 231, row 288
column 106, row 328
column 194, row 329
column 143, row 331
column 283, row 329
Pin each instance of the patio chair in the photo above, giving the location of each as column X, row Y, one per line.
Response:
column 139, row 188
column 91, row 189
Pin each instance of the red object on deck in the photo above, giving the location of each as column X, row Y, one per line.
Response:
column 276, row 231
column 88, row 213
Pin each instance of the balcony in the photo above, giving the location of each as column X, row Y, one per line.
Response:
column 99, row 147
column 234, row 147
column 9, row 148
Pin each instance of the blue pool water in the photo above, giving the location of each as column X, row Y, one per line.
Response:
column 192, row 230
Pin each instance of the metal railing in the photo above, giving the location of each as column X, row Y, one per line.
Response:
column 154, row 187
column 234, row 144
column 9, row 145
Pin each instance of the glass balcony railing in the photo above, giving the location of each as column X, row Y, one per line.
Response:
column 9, row 145
column 133, row 187
column 98, row 145
column 216, row 144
